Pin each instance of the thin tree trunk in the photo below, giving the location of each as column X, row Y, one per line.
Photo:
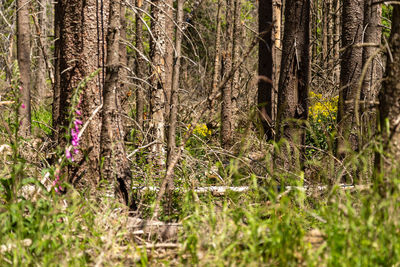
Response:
column 158, row 77
column 123, row 58
column 140, row 67
column 389, row 109
column 325, row 19
column 277, row 54
column 58, row 13
column 40, row 77
column 350, row 72
column 265, row 67
column 336, row 38
column 174, row 97
column 217, row 56
column 169, row 54
column 226, row 111
column 295, row 75
column 115, row 167
column 235, row 59
column 24, row 63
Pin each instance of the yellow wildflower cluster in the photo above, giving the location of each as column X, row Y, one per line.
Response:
column 321, row 107
column 201, row 130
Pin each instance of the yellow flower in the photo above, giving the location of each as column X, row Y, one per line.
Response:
column 321, row 106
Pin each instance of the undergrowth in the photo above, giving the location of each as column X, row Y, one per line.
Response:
column 268, row 225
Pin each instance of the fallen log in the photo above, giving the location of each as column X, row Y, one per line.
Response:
column 221, row 190
column 3, row 103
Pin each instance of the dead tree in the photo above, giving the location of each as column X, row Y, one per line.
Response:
column 295, row 73
column 371, row 60
column 80, row 51
column 172, row 153
column 140, row 66
column 24, row 64
column 115, row 168
column 350, row 72
column 226, row 110
column 265, row 67
column 389, row 108
column 158, row 78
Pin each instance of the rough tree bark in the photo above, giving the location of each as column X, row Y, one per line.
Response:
column 24, row 64
column 115, row 168
column 158, row 77
column 169, row 55
column 373, row 75
column 40, row 77
column 295, row 67
column 350, row 72
column 226, row 110
column 237, row 28
column 79, row 41
column 265, row 67
column 217, row 56
column 336, row 38
column 124, row 92
column 389, row 106
column 295, row 73
column 140, row 67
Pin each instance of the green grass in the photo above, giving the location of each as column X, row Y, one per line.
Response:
column 263, row 227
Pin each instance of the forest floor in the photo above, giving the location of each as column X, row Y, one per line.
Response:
column 251, row 217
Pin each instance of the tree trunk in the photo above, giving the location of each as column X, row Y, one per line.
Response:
column 79, row 57
column 336, row 38
column 174, row 96
column 116, row 170
column 265, row 67
column 276, row 54
column 389, row 108
column 237, row 28
column 217, row 56
column 295, row 73
column 41, row 46
column 123, row 58
column 24, row 63
column 350, row 72
column 226, row 111
column 169, row 54
column 140, row 68
column 158, row 77
column 58, row 12
column 373, row 74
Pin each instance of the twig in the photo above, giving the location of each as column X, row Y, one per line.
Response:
column 160, row 245
column 142, row 147
column 89, row 120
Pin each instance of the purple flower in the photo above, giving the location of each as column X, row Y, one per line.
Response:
column 74, row 134
column 68, row 154
column 78, row 112
column 76, row 151
column 75, row 143
column 77, row 122
column 20, row 88
column 23, row 106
